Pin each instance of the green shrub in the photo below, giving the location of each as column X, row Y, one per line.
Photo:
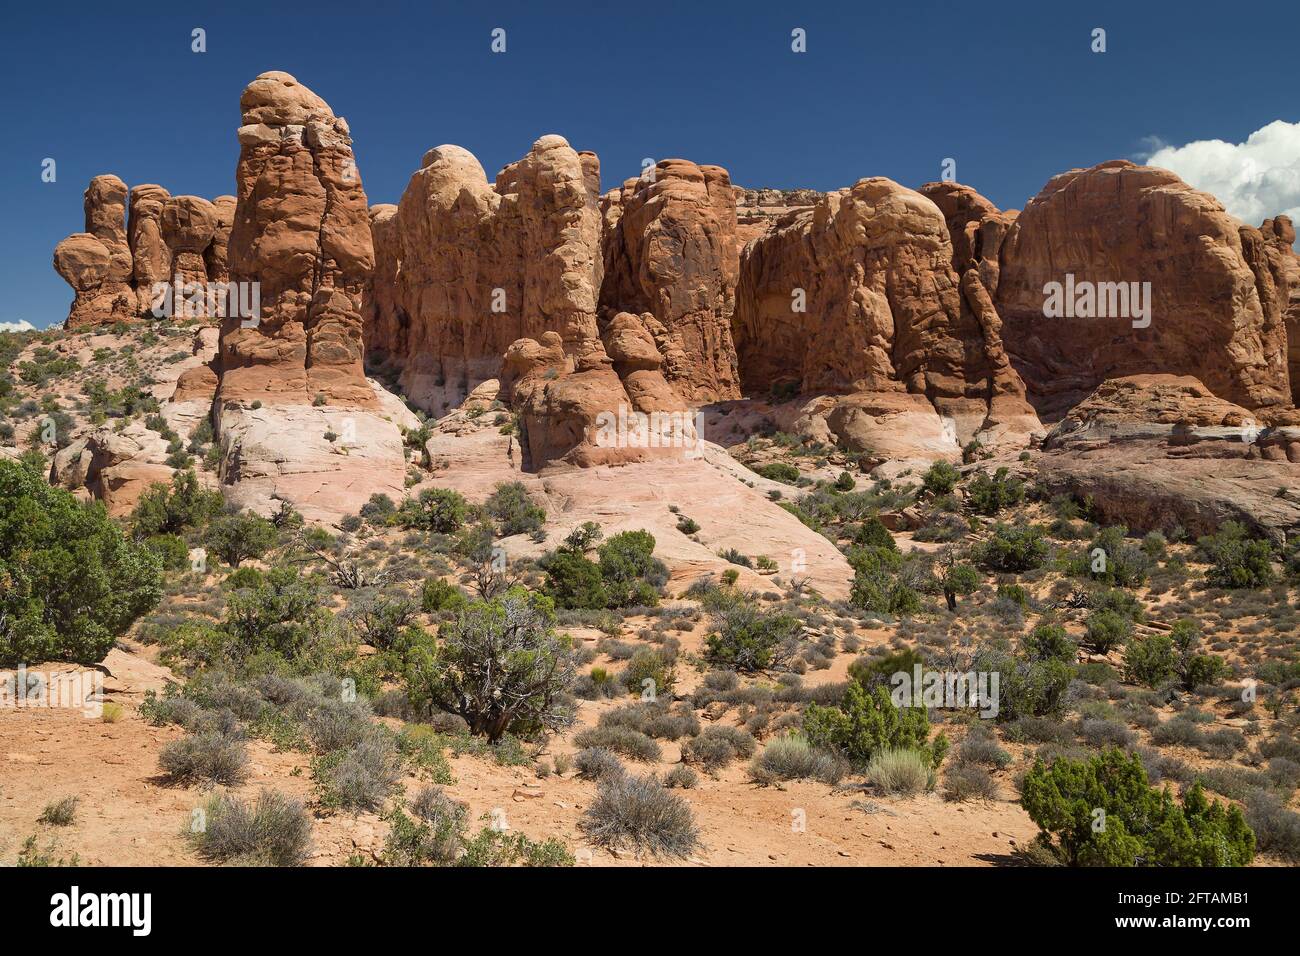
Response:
column 1106, row 630
column 877, row 585
column 164, row 509
column 1150, row 660
column 237, row 537
column 70, row 582
column 514, row 511
column 1027, row 688
column 735, row 557
column 378, row 510
column 746, row 638
column 435, row 509
column 1237, row 560
column 573, row 581
column 868, row 721
column 873, row 533
column 988, row 496
column 499, row 665
column 1103, row 812
column 1121, row 563
column 956, row 579
column 629, row 570
column 1049, row 642
column 438, row 595
column 781, row 471
column 940, row 479
column 1014, row 548
column 171, row 550
column 1193, row 669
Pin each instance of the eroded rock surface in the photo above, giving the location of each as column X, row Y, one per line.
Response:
column 670, row 250
column 1212, row 314
column 465, row 268
column 859, row 296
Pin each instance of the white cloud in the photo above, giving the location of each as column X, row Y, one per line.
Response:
column 1255, row 180
column 20, row 326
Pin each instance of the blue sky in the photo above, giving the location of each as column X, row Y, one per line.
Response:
column 1011, row 91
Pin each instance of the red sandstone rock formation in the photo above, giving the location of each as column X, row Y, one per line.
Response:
column 1278, row 235
column 465, row 268
column 613, row 406
column 302, row 232
column 84, row 263
column 151, row 258
column 216, row 254
column 1213, row 313
column 115, row 264
column 670, row 250
column 859, row 297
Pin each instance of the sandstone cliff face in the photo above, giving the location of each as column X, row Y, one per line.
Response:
column 1212, row 314
column 859, row 297
column 1279, row 236
column 465, row 268
column 113, row 266
column 671, row 251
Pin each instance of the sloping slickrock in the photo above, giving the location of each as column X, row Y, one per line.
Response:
column 1137, row 407
column 1162, row 451
column 1148, row 486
